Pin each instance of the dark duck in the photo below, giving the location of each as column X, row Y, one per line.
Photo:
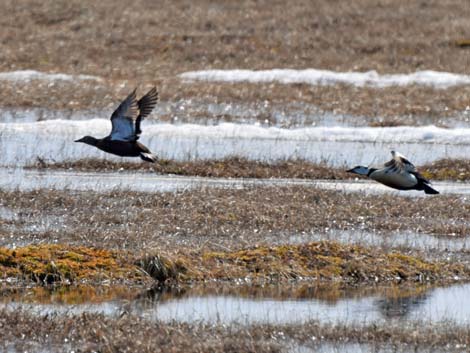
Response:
column 125, row 132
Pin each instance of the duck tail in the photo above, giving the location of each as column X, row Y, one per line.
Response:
column 148, row 157
column 429, row 190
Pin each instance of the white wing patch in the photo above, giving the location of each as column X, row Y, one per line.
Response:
column 401, row 162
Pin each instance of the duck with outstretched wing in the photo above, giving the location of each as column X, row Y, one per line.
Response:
column 398, row 173
column 125, row 132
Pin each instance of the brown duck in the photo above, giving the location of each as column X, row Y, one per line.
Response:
column 125, row 132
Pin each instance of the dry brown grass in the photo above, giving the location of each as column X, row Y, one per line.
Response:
column 97, row 333
column 235, row 167
column 151, row 42
column 318, row 260
column 217, row 219
column 94, row 332
column 162, row 38
column 399, row 105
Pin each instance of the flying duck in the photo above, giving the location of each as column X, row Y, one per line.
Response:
column 398, row 173
column 125, row 132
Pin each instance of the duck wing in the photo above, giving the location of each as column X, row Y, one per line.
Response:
column 123, row 119
column 146, row 105
column 400, row 164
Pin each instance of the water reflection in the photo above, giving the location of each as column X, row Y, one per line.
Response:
column 272, row 304
column 394, row 308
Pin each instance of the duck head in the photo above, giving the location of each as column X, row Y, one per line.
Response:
column 89, row 140
column 359, row 170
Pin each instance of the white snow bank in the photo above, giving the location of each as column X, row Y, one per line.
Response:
column 325, row 77
column 28, row 75
column 52, row 140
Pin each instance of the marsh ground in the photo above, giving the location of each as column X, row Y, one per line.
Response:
column 159, row 40
column 88, row 333
column 236, row 167
column 230, row 218
column 150, row 43
column 199, row 227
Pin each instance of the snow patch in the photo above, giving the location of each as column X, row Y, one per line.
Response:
column 324, row 77
column 29, row 75
column 52, row 140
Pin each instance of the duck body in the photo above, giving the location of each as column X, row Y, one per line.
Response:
column 126, row 119
column 398, row 173
column 400, row 181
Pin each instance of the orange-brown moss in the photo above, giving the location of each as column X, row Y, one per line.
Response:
column 463, row 43
column 447, row 169
column 58, row 263
column 317, row 260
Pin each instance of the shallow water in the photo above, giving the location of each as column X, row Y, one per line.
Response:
column 437, row 305
column 284, row 305
column 7, row 214
column 386, row 240
column 351, row 347
column 52, row 141
column 291, row 115
column 27, row 179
